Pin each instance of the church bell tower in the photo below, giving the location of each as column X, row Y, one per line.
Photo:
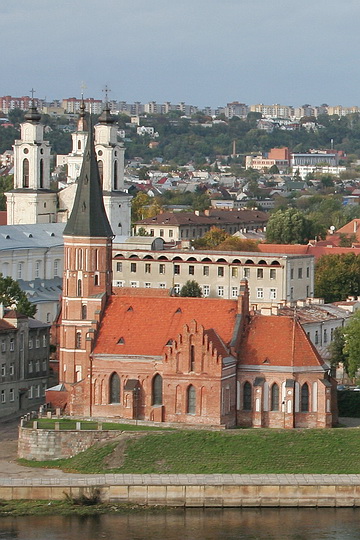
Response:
column 31, row 200
column 87, row 277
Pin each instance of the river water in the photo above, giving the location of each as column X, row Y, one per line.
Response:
column 192, row 524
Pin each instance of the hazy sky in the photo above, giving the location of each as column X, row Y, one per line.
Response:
column 203, row 52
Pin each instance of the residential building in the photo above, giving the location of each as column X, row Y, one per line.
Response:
column 24, row 362
column 188, row 225
column 273, row 111
column 272, row 278
column 72, row 105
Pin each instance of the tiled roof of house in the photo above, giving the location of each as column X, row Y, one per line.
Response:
column 269, row 342
column 212, row 217
column 135, row 325
column 293, row 249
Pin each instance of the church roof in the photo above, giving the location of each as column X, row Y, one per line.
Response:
column 274, row 341
column 143, row 326
column 88, row 217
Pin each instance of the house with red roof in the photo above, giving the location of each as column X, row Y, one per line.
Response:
column 187, row 361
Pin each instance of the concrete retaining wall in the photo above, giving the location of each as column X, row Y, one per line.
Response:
column 198, row 496
column 44, row 444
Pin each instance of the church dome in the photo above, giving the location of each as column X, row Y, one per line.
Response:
column 32, row 115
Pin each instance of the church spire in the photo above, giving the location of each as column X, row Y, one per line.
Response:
column 88, row 217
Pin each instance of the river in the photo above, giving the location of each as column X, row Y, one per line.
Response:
column 192, row 524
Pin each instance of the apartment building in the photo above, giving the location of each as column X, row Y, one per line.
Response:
column 24, row 362
column 189, row 225
column 272, row 278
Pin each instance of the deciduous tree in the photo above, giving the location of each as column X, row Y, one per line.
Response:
column 12, row 296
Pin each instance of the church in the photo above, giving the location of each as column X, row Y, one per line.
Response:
column 139, row 354
column 32, row 201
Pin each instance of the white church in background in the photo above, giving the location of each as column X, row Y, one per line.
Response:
column 32, row 201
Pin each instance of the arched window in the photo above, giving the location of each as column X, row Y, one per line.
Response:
column 157, row 383
column 247, row 397
column 192, row 358
column 115, row 174
column 114, row 388
column 96, row 279
column 79, row 287
column 274, row 397
column 78, row 340
column 25, row 173
column 83, row 311
column 41, row 174
column 304, row 400
column 79, row 145
column 191, row 400
column 101, row 171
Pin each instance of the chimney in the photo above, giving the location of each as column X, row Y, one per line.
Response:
column 355, row 225
column 243, row 298
column 1, row 310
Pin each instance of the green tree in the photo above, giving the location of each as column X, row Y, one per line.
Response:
column 12, row 296
column 351, row 347
column 337, row 349
column 337, row 276
column 191, row 288
column 288, row 227
column 274, row 169
column 234, row 243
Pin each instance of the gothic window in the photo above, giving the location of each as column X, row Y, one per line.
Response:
column 114, row 388
column 274, row 397
column 25, row 173
column 191, row 400
column 79, row 145
column 157, row 397
column 115, row 175
column 304, row 403
column 192, row 358
column 247, row 397
column 79, row 287
column 83, row 311
column 101, row 171
column 41, row 174
column 96, row 280
column 78, row 340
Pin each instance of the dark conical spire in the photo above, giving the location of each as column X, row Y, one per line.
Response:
column 82, row 122
column 88, row 217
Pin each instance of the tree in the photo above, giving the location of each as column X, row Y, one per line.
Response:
column 288, row 227
column 138, row 206
column 12, row 296
column 336, row 349
column 191, row 288
column 274, row 169
column 337, row 276
column 234, row 243
column 351, row 348
column 211, row 239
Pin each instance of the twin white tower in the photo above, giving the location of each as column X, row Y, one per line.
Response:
column 33, row 201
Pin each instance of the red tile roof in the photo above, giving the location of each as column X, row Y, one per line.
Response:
column 269, row 342
column 287, row 249
column 145, row 325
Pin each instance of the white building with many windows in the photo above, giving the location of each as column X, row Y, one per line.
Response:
column 272, row 278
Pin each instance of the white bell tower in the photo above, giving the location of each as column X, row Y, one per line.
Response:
column 31, row 200
column 110, row 156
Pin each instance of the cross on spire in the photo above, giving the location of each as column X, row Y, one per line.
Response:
column 82, row 88
column 106, row 91
column 32, row 92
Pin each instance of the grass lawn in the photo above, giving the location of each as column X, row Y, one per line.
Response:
column 235, row 451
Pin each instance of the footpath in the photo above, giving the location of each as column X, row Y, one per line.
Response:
column 18, row 482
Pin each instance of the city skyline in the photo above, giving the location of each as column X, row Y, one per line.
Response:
column 206, row 53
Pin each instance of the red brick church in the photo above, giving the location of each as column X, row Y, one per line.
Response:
column 138, row 354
